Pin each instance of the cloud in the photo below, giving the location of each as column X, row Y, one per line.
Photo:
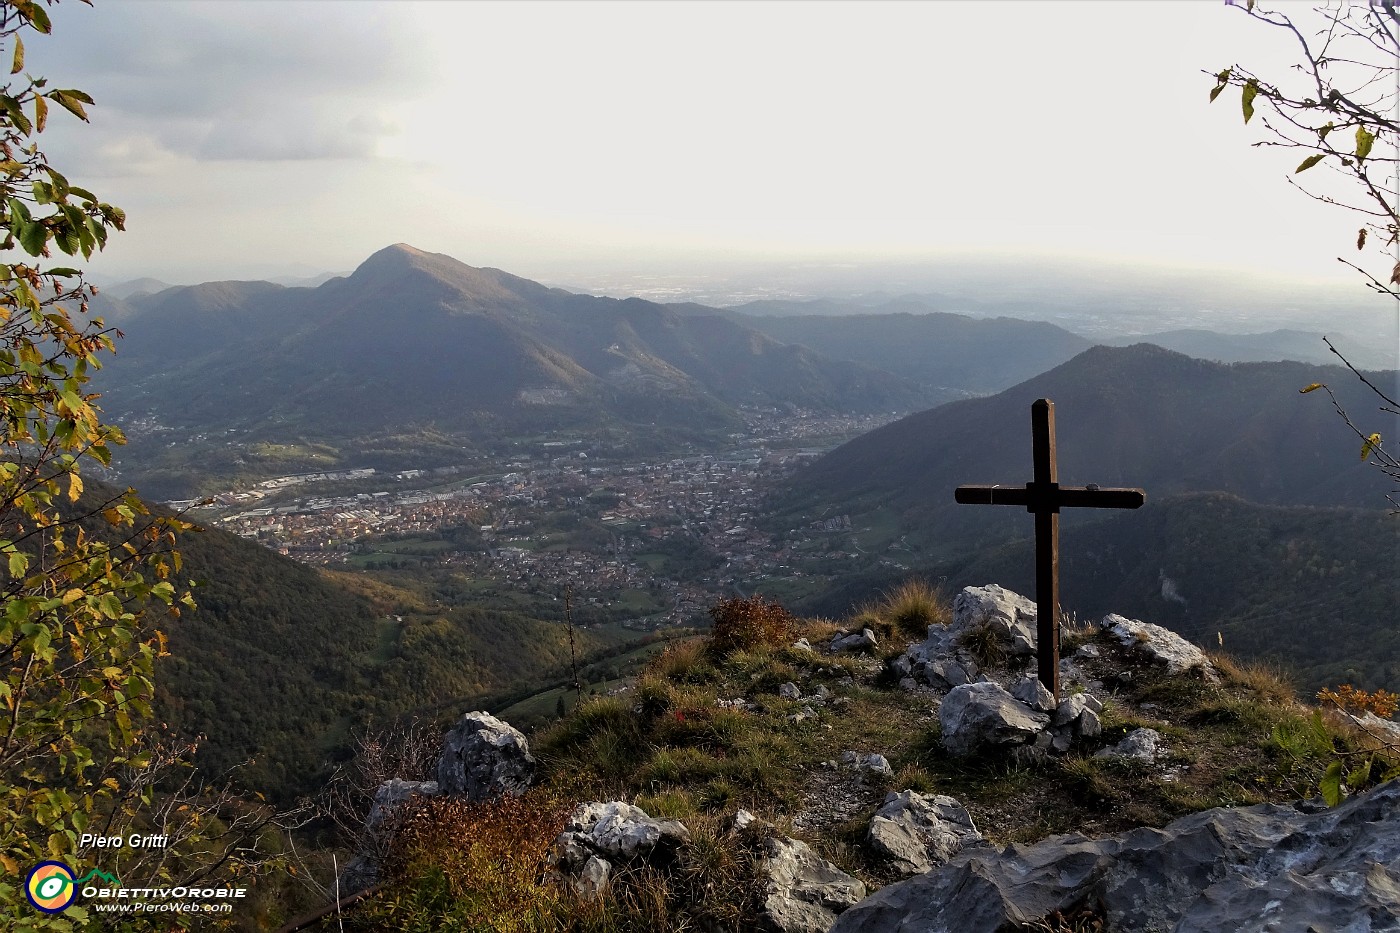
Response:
column 215, row 82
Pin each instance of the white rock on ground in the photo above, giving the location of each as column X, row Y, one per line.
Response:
column 805, row 892
column 917, row 832
column 1160, row 645
column 1143, row 744
column 857, row 641
column 981, row 714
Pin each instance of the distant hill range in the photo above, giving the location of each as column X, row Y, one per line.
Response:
column 915, row 337
column 415, row 358
column 935, row 349
column 134, row 288
column 1303, row 346
column 420, row 338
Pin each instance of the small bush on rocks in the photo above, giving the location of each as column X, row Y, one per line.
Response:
column 746, row 624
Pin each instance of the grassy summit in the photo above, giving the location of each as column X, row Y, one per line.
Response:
column 712, row 726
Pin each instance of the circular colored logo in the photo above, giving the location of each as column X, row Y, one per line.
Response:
column 50, row 887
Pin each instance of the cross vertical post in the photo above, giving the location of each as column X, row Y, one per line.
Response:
column 1044, row 497
column 1045, row 504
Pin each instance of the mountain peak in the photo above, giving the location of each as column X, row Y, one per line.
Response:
column 456, row 284
column 401, row 256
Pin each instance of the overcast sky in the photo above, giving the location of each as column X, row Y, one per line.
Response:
column 259, row 138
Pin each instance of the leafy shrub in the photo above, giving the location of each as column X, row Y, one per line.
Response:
column 473, row 866
column 745, row 624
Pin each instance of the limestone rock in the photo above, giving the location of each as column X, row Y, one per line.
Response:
column 876, row 763
column 359, row 873
column 947, row 673
column 1251, row 869
column 789, row 691
column 1030, row 691
column 484, row 758
column 863, row 640
column 1010, row 615
column 593, row 877
column 1070, row 708
column 1161, row 645
column 802, row 644
column 380, row 826
column 917, row 832
column 1386, row 730
column 622, row 831
column 1143, row 744
column 984, row 714
column 393, row 794
column 804, row 891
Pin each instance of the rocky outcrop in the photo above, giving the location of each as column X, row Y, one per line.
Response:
column 1249, row 869
column 621, row 831
column 601, row 835
column 383, row 821
column 1160, row 645
column 804, row 892
column 917, row 832
column 1010, row 615
column 977, row 715
column 483, row 758
column 942, row 661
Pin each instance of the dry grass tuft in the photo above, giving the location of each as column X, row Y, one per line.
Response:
column 1269, row 682
column 913, row 606
column 682, row 662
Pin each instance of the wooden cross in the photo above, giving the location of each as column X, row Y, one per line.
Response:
column 1044, row 497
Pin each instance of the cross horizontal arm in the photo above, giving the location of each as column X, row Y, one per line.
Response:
column 991, row 495
column 1101, row 498
column 1093, row 497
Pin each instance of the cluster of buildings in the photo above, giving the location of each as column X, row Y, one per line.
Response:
column 679, row 531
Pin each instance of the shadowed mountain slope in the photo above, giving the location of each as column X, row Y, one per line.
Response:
column 1133, row 416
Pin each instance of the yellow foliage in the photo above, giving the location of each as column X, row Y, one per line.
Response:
column 1350, row 699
